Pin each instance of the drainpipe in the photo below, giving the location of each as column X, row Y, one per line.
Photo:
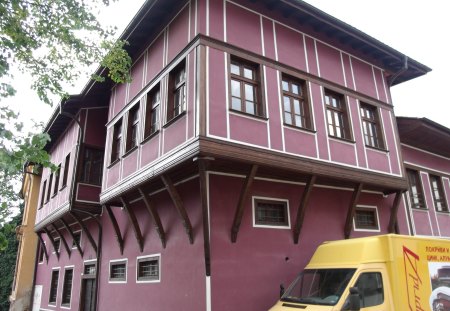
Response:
column 398, row 73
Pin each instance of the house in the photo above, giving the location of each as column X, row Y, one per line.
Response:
column 425, row 147
column 22, row 286
column 252, row 131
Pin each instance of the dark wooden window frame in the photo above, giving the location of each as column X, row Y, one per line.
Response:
column 66, row 171
column 258, row 202
column 116, row 145
column 414, row 180
column 54, row 282
column 371, row 126
column 303, row 99
column 147, row 259
column 152, row 110
column 44, row 188
column 175, row 106
column 49, row 189
column 57, row 175
column 364, row 209
column 90, row 177
column 41, row 253
column 439, row 190
column 112, row 264
column 341, row 112
column 240, row 78
column 133, row 127
column 67, row 289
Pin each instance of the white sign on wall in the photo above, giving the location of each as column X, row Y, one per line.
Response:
column 37, row 297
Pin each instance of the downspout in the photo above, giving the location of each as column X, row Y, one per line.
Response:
column 398, row 73
column 99, row 253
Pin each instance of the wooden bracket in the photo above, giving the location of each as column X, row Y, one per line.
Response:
column 64, row 242
column 205, row 214
column 115, row 227
column 392, row 228
column 155, row 217
column 351, row 210
column 72, row 235
column 85, row 231
column 133, row 220
column 176, row 199
column 242, row 198
column 39, row 234
column 52, row 241
column 302, row 207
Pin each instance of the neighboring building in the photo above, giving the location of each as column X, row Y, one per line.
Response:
column 252, row 131
column 22, row 287
column 426, row 156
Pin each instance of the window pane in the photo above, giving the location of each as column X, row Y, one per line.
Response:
column 250, row 107
column 295, row 89
column 287, row 118
column 285, row 86
column 287, row 104
column 298, row 121
column 249, row 92
column 370, row 286
column 236, row 103
column 235, row 88
column 271, row 213
column 248, row 73
column 235, row 69
column 296, row 106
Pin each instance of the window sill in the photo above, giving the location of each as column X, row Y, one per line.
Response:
column 113, row 163
column 129, row 152
column 443, row 212
column 344, row 140
column 300, row 128
column 377, row 149
column 249, row 114
column 149, row 137
column 168, row 123
column 422, row 209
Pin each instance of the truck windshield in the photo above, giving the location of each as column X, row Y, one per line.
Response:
column 319, row 286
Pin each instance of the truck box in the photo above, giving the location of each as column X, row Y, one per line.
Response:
column 384, row 273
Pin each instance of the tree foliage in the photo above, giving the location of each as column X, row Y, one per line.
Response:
column 55, row 41
column 8, row 252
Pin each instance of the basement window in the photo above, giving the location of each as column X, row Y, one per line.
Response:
column 366, row 219
column 118, row 271
column 148, row 269
column 270, row 213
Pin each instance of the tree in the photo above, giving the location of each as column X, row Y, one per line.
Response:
column 8, row 259
column 54, row 41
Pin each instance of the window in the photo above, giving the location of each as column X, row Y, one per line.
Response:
column 415, row 189
column 49, row 190
column 338, row 125
column 57, row 242
column 295, row 105
column 77, row 238
column 366, row 218
column 41, row 252
column 67, row 287
column 371, row 126
column 370, row 286
column 244, row 87
column 152, row 111
column 271, row 213
column 438, row 194
column 148, row 268
column 90, row 269
column 118, row 271
column 44, row 187
column 66, row 171
column 117, row 141
column 53, row 287
column 133, row 128
column 92, row 166
column 177, row 96
column 57, row 173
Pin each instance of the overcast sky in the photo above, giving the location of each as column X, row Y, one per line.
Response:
column 416, row 28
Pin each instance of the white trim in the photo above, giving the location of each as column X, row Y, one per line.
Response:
column 317, row 58
column 207, row 17
column 111, row 262
column 54, row 304
column 72, row 267
column 189, row 23
column 375, row 82
column 447, row 195
column 383, row 132
column 208, row 294
column 409, row 211
column 426, row 168
column 275, row 40
column 432, row 202
column 351, row 69
column 394, row 128
column 358, row 106
column 384, row 86
column 266, row 104
column 313, row 117
column 426, row 208
column 424, row 151
column 207, row 90
column 306, row 52
column 378, row 219
column 300, row 129
column 158, row 256
column 262, row 36
column 270, row 199
column 343, row 69
column 325, row 121
column 250, row 117
column 187, row 85
column 349, row 112
column 196, row 17
column 227, row 97
column 224, row 20
column 281, row 108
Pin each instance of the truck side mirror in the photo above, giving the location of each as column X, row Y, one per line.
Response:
column 354, row 299
column 281, row 290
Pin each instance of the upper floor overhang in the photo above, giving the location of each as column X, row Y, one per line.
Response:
column 424, row 134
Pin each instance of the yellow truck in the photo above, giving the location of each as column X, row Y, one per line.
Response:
column 380, row 273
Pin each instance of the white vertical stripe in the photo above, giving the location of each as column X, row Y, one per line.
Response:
column 384, row 86
column 196, row 17
column 187, row 99
column 408, row 211
column 275, row 42
column 267, row 107
column 353, row 74
column 207, row 91
column 352, row 128
column 189, row 26
column 375, row 82
column 313, row 118
column 326, row 121
column 433, row 206
column 224, row 20
column 317, row 57
column 227, row 99
column 262, row 36
column 208, row 293
column 280, row 103
column 306, row 52
column 207, row 17
column 447, row 197
column 343, row 69
column 395, row 144
column 383, row 133
column 362, row 132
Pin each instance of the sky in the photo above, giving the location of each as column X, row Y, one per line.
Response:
column 415, row 28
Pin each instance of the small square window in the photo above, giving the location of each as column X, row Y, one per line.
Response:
column 271, row 213
column 90, row 269
column 148, row 269
column 366, row 218
column 77, row 238
column 118, row 271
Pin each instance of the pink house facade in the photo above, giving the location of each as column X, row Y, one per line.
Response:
column 251, row 132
